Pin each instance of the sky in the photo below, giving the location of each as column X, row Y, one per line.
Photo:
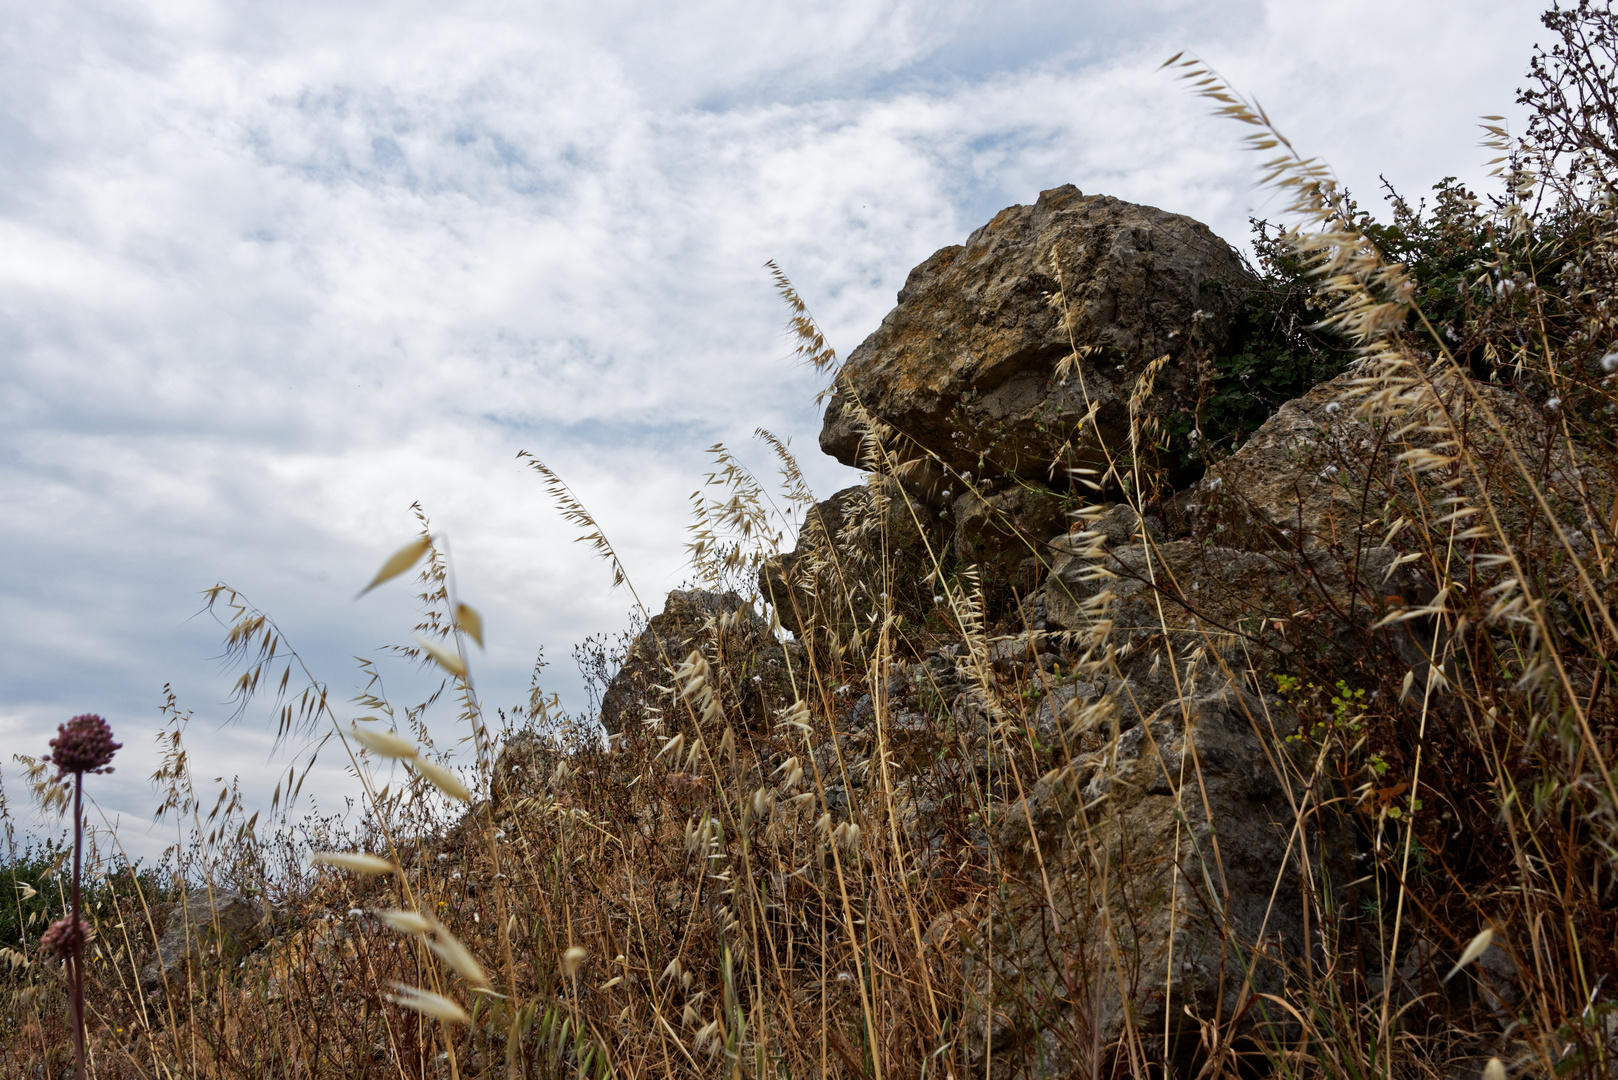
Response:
column 271, row 273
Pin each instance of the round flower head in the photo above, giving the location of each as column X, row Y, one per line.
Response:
column 64, row 936
column 83, row 745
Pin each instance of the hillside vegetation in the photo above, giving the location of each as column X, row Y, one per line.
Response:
column 1211, row 677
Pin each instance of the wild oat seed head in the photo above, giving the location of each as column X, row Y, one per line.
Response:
column 83, row 745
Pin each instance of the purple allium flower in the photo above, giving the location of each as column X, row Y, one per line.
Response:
column 83, row 745
column 64, row 937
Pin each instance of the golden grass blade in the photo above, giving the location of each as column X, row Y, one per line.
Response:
column 448, row 948
column 354, row 861
column 409, row 923
column 443, row 779
column 443, row 657
column 1474, row 949
column 384, row 743
column 429, row 1004
column 812, row 345
column 399, row 562
column 574, row 511
column 470, row 621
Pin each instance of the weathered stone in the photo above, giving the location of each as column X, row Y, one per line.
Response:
column 207, row 928
column 689, row 620
column 853, row 548
column 791, row 582
column 1167, row 599
column 522, row 766
column 965, row 365
column 1169, row 871
column 1317, row 473
column 1006, row 533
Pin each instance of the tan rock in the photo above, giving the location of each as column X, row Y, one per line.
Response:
column 688, row 621
column 210, row 927
column 1171, row 862
column 1316, row 473
column 862, row 542
column 965, row 364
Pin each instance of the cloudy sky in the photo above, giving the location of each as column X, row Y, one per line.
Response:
column 269, row 273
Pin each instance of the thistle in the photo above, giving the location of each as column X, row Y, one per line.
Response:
column 82, row 745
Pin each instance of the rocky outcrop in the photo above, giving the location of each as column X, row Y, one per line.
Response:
column 745, row 661
column 689, row 619
column 859, row 552
column 208, row 929
column 1161, row 848
column 965, row 366
column 1006, row 530
column 1305, row 480
column 1171, row 855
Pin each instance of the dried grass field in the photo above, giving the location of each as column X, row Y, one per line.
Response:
column 1288, row 750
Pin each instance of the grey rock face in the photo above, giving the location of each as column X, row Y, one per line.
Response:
column 683, row 625
column 965, row 365
column 789, row 582
column 206, row 929
column 1006, row 533
column 1175, row 846
column 853, row 548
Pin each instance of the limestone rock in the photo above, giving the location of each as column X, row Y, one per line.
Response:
column 523, row 766
column 965, row 364
column 1309, row 477
column 791, row 582
column 688, row 621
column 834, row 579
column 1171, row 599
column 208, row 927
column 1175, row 856
column 1167, row 600
column 1005, row 533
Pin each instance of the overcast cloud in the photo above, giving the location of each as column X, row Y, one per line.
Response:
column 270, row 273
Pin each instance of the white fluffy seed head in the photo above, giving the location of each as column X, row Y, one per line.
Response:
column 572, row 959
column 348, row 860
column 423, row 1001
column 443, row 779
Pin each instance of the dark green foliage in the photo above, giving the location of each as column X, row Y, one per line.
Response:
column 1470, row 276
column 34, row 868
column 1277, row 352
column 47, row 870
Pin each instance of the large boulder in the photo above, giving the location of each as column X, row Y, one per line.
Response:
column 1235, row 610
column 966, row 365
column 207, row 929
column 1005, row 530
column 1321, row 471
column 868, row 548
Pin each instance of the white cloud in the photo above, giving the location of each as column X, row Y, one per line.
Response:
column 270, row 274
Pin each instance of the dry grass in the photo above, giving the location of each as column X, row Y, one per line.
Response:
column 805, row 862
